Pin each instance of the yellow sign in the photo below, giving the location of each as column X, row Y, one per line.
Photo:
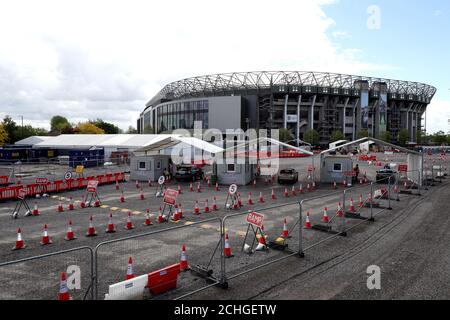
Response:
column 79, row 169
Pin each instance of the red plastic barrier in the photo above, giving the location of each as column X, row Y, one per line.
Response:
column 163, row 280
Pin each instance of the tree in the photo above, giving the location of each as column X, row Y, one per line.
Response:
column 439, row 138
column 284, row 135
column 28, row 131
column 363, row 133
column 336, row 136
column 403, row 137
column 58, row 124
column 109, row 128
column 386, row 136
column 311, row 136
column 88, row 128
column 10, row 126
column 3, row 135
column 131, row 130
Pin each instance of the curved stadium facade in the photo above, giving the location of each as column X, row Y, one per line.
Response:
column 296, row 101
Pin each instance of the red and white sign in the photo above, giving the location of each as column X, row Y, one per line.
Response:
column 4, row 179
column 22, row 194
column 41, row 180
column 92, row 186
column 350, row 173
column 170, row 197
column 255, row 219
column 402, row 167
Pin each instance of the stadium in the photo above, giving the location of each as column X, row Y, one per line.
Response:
column 297, row 101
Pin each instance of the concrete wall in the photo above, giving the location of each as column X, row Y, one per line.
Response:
column 224, row 112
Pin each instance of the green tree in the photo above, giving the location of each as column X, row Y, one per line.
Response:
column 363, row 133
column 58, row 124
column 284, row 135
column 403, row 137
column 107, row 127
column 439, row 138
column 336, row 136
column 28, row 131
column 131, row 130
column 10, row 126
column 386, row 136
column 88, row 128
column 3, row 135
column 311, row 136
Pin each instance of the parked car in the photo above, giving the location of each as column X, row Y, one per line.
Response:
column 384, row 174
column 188, row 173
column 288, row 176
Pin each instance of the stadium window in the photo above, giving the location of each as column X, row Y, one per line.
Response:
column 336, row 91
column 325, row 90
column 346, row 91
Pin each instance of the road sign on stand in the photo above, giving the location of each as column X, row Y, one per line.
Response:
column 170, row 200
column 92, row 194
column 255, row 222
column 232, row 201
column 161, row 186
column 22, row 194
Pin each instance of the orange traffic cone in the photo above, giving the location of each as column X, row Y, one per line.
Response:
column 361, row 203
column 217, row 186
column 130, row 272
column 214, row 206
column 196, row 208
column 293, row 192
column 285, row 232
column 45, row 237
column 339, row 212
column 117, row 185
column 149, row 183
column 71, row 206
column 19, row 242
column 137, row 184
column 97, row 203
column 254, row 183
column 111, row 228
column 313, row 186
column 176, row 214
column 82, row 203
column 183, row 259
column 142, row 197
column 261, row 198
column 250, row 201
column 273, row 195
column 35, row 211
column 286, row 193
column 239, row 200
column 190, row 187
column 308, row 188
column 129, row 224
column 70, row 234
column 227, row 248
column 307, row 222
column 60, row 207
column 199, row 188
column 180, row 211
column 91, row 230
column 122, row 198
column 301, row 188
column 63, row 290
column 334, row 185
column 147, row 221
column 352, row 206
column 206, row 206
column 179, row 190
column 325, row 215
column 160, row 217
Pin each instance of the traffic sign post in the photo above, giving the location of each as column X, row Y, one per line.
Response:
column 92, row 194
column 22, row 202
column 232, row 201
column 161, row 187
column 255, row 223
column 170, row 200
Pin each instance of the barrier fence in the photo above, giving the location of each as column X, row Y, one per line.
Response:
column 38, row 277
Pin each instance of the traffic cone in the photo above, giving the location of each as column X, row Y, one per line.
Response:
column 147, row 221
column 214, row 206
column 261, row 198
column 199, row 189
column 209, row 183
column 286, row 193
column 122, row 198
column 344, row 183
column 285, row 232
column 307, row 222
column 261, row 243
column 97, row 203
column 160, row 217
column 361, row 203
column 308, row 188
column 334, row 185
column 60, row 207
column 35, row 211
column 111, row 227
column 206, row 206
column 180, row 211
column 254, row 183
column 179, row 190
column 137, row 184
column 176, row 216
column 149, row 183
column 190, row 187
column 250, row 201
column 273, row 195
column 314, row 186
column 130, row 272
column 196, row 208
column 361, row 181
column 91, row 230
column 339, row 212
column 19, row 242
column 405, row 186
column 301, row 188
column 352, row 206
column 217, row 186
column 227, row 248
column 142, row 197
column 63, row 290
column 45, row 237
column 325, row 215
column 70, row 235
column 117, row 185
column 129, row 224
column 395, row 189
column 82, row 203
column 183, row 259
column 71, row 206
column 239, row 200
column 293, row 191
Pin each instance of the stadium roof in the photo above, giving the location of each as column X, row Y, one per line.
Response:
column 204, row 85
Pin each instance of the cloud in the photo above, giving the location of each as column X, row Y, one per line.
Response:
column 88, row 59
column 438, row 115
column 339, row 34
column 438, row 13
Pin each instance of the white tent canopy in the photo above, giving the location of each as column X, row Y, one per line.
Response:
column 173, row 141
column 32, row 140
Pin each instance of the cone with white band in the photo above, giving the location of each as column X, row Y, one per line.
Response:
column 130, row 271
column 111, row 228
column 183, row 259
column 63, row 294
column 45, row 237
column 129, row 225
column 20, row 244
column 70, row 234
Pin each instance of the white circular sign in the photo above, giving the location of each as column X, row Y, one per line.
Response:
column 161, row 180
column 232, row 189
column 68, row 175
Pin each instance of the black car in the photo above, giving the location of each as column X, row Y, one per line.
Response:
column 188, row 173
column 384, row 174
column 288, row 176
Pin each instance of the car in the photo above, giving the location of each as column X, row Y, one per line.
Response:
column 384, row 174
column 288, row 176
column 188, row 173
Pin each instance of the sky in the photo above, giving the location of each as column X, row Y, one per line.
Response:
column 106, row 59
